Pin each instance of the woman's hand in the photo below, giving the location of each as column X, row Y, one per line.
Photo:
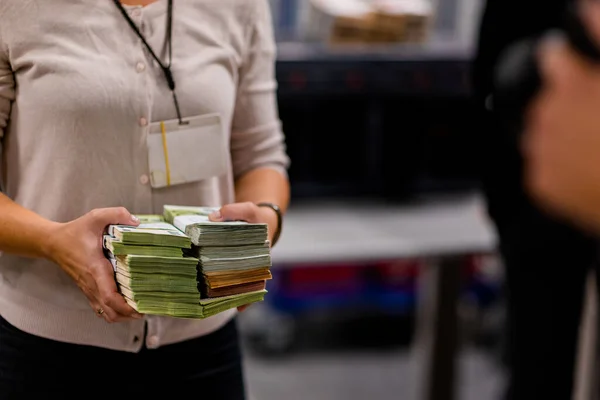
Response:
column 248, row 212
column 76, row 247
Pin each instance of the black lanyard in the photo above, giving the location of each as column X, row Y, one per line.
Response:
column 166, row 69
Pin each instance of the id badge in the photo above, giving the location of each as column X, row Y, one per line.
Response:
column 191, row 152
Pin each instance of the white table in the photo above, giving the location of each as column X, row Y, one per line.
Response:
column 442, row 231
column 339, row 231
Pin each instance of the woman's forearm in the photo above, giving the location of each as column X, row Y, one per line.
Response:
column 263, row 185
column 23, row 232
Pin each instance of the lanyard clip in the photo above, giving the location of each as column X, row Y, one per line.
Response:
column 169, row 78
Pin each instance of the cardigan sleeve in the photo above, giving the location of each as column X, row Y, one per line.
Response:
column 257, row 140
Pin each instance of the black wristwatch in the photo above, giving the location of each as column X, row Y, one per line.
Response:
column 277, row 210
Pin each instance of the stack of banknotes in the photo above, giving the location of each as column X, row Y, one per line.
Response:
column 157, row 272
column 234, row 257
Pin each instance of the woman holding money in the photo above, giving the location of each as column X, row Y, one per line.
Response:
column 115, row 108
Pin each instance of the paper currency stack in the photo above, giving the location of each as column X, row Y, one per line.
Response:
column 159, row 271
column 234, row 257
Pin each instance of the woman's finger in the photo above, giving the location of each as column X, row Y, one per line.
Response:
column 90, row 289
column 104, row 312
column 243, row 308
column 107, row 313
column 111, row 316
column 235, row 212
column 108, row 295
column 98, row 310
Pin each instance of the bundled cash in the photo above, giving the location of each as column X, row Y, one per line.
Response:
column 230, row 263
column 195, row 223
column 153, row 286
column 234, row 257
column 150, row 265
column 159, row 271
column 118, row 248
column 242, row 288
column 203, row 309
column 152, row 234
column 252, row 250
column 220, row 279
column 154, row 265
column 231, row 258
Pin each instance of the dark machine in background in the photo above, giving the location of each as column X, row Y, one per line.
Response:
column 387, row 126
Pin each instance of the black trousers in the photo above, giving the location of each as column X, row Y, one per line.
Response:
column 32, row 367
column 546, row 269
column 546, row 264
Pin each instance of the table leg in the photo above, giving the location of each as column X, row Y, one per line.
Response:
column 437, row 328
column 586, row 369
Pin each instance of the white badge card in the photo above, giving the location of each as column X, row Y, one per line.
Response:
column 184, row 153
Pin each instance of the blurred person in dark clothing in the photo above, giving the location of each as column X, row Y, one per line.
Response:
column 562, row 138
column 546, row 259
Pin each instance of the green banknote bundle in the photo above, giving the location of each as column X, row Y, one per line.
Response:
column 195, row 223
column 202, row 309
column 251, row 250
column 152, row 265
column 152, row 234
column 231, row 258
column 118, row 248
column 208, row 264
